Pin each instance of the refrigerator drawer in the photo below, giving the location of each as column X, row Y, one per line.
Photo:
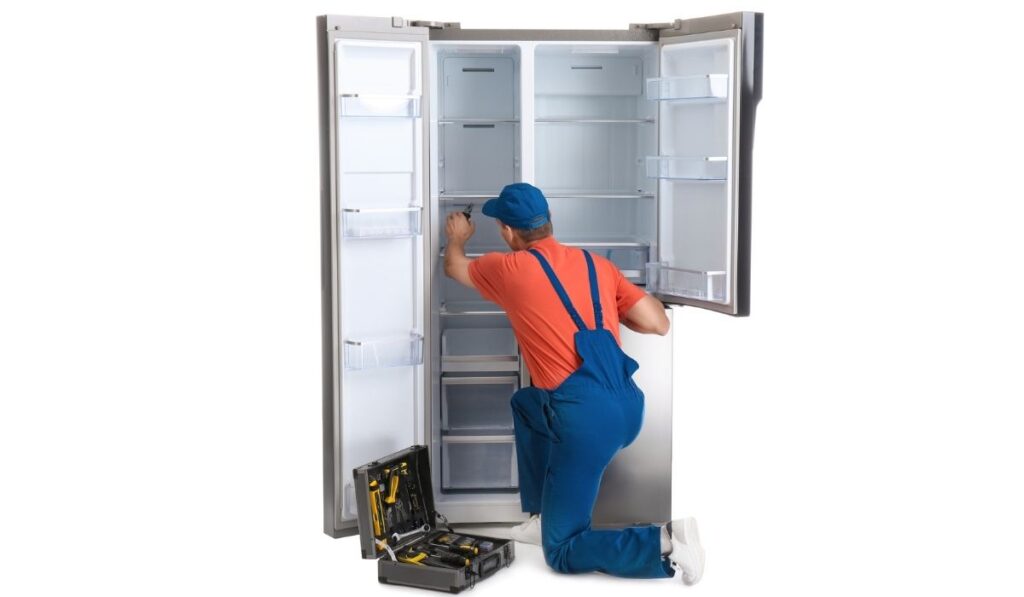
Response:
column 479, row 462
column 629, row 256
column 479, row 349
column 478, row 88
column 477, row 405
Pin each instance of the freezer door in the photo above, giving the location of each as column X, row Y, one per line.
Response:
column 372, row 113
column 707, row 91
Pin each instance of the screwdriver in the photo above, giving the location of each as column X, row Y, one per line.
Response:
column 468, row 211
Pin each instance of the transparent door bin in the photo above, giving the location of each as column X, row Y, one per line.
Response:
column 477, row 405
column 700, row 87
column 398, row 222
column 688, row 168
column 479, row 349
column 479, row 463
column 687, row 283
column 377, row 353
column 629, row 256
column 387, row 106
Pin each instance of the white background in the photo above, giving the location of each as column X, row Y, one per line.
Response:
column 160, row 306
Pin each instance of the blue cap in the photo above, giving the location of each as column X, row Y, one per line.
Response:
column 520, row 205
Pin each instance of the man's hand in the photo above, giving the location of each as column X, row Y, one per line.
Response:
column 458, row 228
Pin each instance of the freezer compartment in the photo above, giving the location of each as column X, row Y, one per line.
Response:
column 688, row 168
column 478, row 88
column 687, row 283
column 375, row 353
column 478, row 462
column 708, row 88
column 479, row 349
column 631, row 257
column 477, row 405
column 478, row 158
column 384, row 106
column 395, row 222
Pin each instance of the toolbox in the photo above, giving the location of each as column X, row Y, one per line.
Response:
column 413, row 544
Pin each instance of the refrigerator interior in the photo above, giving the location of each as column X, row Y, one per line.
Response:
column 591, row 127
column 697, row 98
column 379, row 310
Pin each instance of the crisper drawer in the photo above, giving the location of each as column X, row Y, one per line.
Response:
column 477, row 405
column 479, row 462
column 479, row 349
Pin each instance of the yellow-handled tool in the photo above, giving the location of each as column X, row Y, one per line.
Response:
column 413, row 559
column 393, row 489
column 375, row 509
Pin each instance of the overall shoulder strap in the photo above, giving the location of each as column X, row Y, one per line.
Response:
column 559, row 289
column 595, row 296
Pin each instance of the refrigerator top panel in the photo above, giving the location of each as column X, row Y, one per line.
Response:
column 396, row 490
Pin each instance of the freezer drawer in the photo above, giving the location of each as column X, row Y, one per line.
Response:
column 479, row 463
column 479, row 349
column 477, row 405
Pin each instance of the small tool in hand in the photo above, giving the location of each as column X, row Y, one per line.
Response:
column 468, row 211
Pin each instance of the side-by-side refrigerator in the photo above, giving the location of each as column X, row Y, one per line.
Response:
column 640, row 138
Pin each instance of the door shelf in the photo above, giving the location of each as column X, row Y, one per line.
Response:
column 378, row 353
column 687, row 283
column 479, row 349
column 698, row 89
column 477, row 405
column 688, row 168
column 385, row 106
column 398, row 222
column 480, row 462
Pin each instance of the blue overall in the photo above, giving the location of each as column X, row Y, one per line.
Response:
column 565, row 439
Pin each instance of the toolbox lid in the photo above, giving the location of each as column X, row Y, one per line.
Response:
column 396, row 490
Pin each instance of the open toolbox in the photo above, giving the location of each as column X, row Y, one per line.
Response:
column 413, row 544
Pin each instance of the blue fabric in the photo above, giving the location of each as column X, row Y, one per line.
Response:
column 565, row 439
column 520, row 205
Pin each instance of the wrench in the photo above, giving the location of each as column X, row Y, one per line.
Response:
column 399, row 536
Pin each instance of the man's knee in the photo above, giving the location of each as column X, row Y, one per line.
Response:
column 555, row 556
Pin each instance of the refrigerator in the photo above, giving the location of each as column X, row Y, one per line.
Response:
column 641, row 138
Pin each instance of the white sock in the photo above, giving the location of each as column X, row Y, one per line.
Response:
column 666, row 541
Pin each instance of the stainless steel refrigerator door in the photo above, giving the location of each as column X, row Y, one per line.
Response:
column 637, row 485
column 708, row 89
column 373, row 184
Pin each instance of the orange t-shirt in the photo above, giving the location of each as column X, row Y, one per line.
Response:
column 543, row 328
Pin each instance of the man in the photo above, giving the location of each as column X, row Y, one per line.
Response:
column 565, row 306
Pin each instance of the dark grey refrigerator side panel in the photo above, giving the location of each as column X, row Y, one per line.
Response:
column 748, row 28
column 331, row 29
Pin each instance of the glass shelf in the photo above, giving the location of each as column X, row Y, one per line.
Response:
column 388, row 106
column 595, row 120
column 688, row 168
column 378, row 353
column 699, row 89
column 471, row 308
column 397, row 222
column 573, row 194
column 687, row 283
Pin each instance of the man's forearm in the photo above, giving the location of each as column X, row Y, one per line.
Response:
column 456, row 264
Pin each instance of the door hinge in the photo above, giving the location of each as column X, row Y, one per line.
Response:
column 435, row 24
column 676, row 24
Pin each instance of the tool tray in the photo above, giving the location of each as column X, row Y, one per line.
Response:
column 394, row 497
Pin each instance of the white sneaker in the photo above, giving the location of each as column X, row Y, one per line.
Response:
column 528, row 531
column 686, row 554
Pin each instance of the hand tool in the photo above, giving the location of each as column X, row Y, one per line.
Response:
column 376, row 508
column 395, row 473
column 412, row 557
column 446, row 556
column 399, row 536
column 468, row 211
